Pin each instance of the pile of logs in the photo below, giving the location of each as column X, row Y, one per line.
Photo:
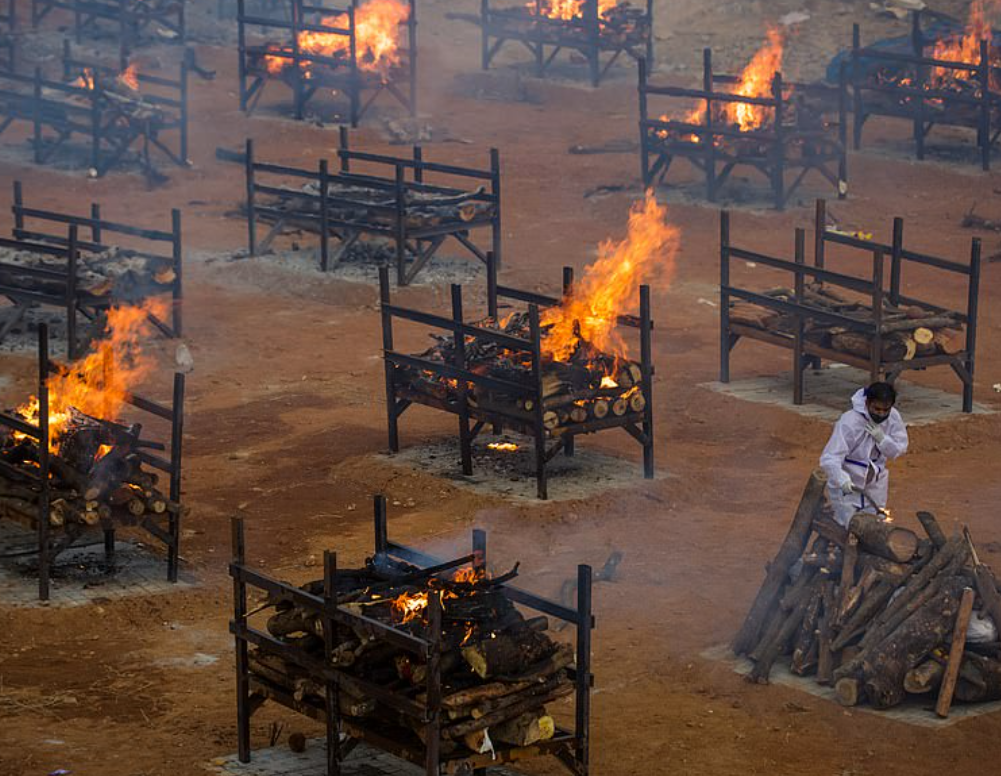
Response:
column 876, row 611
column 115, row 273
column 371, row 206
column 908, row 331
column 623, row 23
column 498, row 669
column 96, row 476
column 591, row 385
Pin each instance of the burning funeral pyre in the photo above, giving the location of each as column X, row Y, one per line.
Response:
column 95, row 464
column 876, row 611
column 498, row 669
column 586, row 369
column 616, row 20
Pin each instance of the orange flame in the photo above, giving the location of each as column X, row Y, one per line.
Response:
column 469, row 574
column 504, row 447
column 608, row 287
column 962, row 48
column 409, row 606
column 130, row 77
column 100, row 383
column 377, row 38
column 86, row 79
column 568, row 9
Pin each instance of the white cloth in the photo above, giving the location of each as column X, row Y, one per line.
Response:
column 852, row 456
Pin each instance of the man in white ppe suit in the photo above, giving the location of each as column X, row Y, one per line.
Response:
column 865, row 438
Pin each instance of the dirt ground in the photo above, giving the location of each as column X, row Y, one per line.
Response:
column 285, row 413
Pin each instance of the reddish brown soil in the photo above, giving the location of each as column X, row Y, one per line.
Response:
column 285, row 412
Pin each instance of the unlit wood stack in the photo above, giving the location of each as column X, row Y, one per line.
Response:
column 874, row 610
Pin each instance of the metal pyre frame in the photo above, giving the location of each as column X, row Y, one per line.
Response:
column 880, row 289
column 919, row 101
column 166, row 527
column 8, row 34
column 89, row 107
column 804, row 133
column 309, row 74
column 38, row 231
column 130, row 19
column 401, row 393
column 393, row 183
column 589, row 34
column 571, row 747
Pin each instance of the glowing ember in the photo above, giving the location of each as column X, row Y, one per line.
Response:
column 962, row 48
column 130, row 77
column 86, row 79
column 469, row 574
column 568, row 9
column 377, row 38
column 409, row 606
column 608, row 286
column 99, row 384
column 608, row 382
column 506, row 447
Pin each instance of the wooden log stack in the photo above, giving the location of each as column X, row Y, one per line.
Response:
column 908, row 331
column 590, row 385
column 876, row 611
column 498, row 669
column 97, row 477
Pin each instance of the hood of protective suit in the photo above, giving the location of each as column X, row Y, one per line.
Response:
column 858, row 404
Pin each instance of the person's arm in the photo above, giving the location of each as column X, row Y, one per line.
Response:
column 894, row 444
column 832, row 460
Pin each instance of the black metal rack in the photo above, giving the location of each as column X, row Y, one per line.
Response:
column 805, row 132
column 899, row 84
column 309, row 74
column 401, row 392
column 165, row 527
column 879, row 287
column 571, row 747
column 39, row 231
column 8, row 35
column 391, row 178
column 589, row 34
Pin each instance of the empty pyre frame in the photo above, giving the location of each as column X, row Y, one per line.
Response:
column 804, row 131
column 63, row 258
column 309, row 74
column 91, row 102
column 481, row 400
column 8, row 34
column 899, row 84
column 881, row 330
column 130, row 21
column 34, row 482
column 425, row 712
column 622, row 30
column 400, row 199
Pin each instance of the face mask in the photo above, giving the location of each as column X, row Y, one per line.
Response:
column 877, row 417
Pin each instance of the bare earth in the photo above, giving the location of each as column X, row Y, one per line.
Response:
column 285, row 413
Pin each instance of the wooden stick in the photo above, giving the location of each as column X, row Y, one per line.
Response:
column 986, row 583
column 955, row 654
column 932, row 528
column 847, row 577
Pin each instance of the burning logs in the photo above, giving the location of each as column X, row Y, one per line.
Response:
column 908, row 332
column 96, row 475
column 498, row 670
column 878, row 629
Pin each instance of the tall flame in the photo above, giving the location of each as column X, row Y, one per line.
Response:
column 608, row 287
column 130, row 77
column 100, row 383
column 568, row 9
column 962, row 48
column 377, row 37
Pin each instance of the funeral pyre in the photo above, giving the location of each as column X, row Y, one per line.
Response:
column 877, row 611
column 498, row 668
column 587, row 372
column 615, row 19
column 96, row 474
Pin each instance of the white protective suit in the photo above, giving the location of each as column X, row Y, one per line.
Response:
column 852, row 455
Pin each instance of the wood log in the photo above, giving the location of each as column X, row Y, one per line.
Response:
column 855, row 593
column 910, row 324
column 987, row 585
column 883, row 538
column 460, row 729
column 886, row 568
column 778, row 570
column 923, row 336
column 944, row 702
column 478, row 741
column 825, row 657
column 753, row 315
column 847, row 576
column 805, row 647
column 600, row 409
column 848, row 691
column 767, row 653
column 871, row 605
column 534, row 689
column 979, row 680
column 525, row 730
column 950, row 341
column 884, row 669
column 932, row 528
column 924, row 678
column 506, row 653
column 560, row 659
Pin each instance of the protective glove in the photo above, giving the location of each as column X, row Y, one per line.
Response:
column 847, row 487
column 877, row 434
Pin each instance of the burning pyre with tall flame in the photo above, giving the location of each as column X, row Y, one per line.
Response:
column 587, row 370
column 498, row 669
column 96, row 474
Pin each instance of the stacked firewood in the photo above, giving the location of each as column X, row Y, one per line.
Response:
column 590, row 385
column 498, row 670
column 371, row 206
column 908, row 331
column 876, row 611
column 622, row 23
column 96, row 475
column 115, row 273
